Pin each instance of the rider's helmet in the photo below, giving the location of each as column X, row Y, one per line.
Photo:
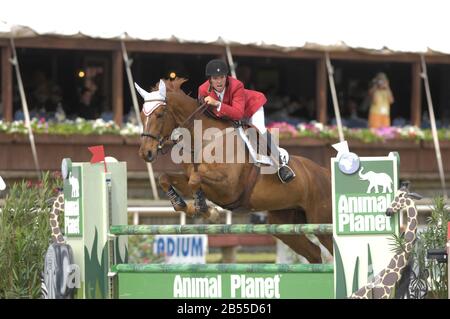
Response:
column 215, row 68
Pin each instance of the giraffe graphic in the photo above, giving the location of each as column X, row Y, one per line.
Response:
column 381, row 286
column 58, row 207
column 57, row 278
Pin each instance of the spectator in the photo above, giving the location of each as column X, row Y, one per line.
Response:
column 381, row 100
column 86, row 109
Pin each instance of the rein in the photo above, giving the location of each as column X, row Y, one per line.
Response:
column 200, row 110
column 162, row 140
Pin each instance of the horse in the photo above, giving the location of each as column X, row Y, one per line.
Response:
column 237, row 186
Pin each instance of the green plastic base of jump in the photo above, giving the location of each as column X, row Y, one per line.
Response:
column 230, row 281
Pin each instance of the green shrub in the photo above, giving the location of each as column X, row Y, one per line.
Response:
column 25, row 236
column 434, row 236
column 140, row 250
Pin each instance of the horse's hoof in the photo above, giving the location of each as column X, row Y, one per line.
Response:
column 190, row 210
column 213, row 215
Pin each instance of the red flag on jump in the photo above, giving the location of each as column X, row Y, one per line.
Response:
column 98, row 154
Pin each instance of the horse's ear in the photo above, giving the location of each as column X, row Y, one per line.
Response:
column 141, row 91
column 162, row 88
column 180, row 81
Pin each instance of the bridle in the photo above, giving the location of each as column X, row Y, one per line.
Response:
column 162, row 140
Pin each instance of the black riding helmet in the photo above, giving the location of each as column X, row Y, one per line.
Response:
column 215, row 68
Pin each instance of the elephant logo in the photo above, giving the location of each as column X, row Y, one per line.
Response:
column 376, row 180
column 73, row 181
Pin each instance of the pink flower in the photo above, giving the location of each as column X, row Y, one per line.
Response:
column 386, row 132
column 283, row 128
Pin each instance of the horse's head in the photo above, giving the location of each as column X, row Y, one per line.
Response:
column 157, row 122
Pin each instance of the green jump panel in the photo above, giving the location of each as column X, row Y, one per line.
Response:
column 287, row 229
column 225, row 268
column 230, row 281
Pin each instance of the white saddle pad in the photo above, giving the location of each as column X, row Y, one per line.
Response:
column 259, row 158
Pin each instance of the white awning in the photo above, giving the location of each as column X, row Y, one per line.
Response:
column 383, row 25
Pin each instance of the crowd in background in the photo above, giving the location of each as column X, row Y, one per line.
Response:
column 362, row 105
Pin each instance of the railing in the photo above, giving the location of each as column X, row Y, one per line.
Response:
column 148, row 211
column 167, row 210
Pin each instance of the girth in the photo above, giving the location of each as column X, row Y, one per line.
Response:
column 244, row 200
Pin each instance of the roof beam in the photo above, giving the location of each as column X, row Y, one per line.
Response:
column 53, row 42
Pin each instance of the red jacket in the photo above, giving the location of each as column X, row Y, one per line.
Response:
column 238, row 102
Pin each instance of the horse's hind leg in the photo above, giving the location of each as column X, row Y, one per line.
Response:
column 298, row 243
column 316, row 217
column 327, row 242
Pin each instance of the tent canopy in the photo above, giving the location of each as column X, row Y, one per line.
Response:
column 384, row 25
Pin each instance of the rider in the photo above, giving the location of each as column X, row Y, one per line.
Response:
column 231, row 100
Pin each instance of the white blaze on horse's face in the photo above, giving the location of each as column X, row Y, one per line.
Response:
column 153, row 99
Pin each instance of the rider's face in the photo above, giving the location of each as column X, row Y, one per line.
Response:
column 218, row 82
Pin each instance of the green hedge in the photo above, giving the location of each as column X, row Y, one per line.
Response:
column 25, row 236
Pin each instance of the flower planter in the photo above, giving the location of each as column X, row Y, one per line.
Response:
column 6, row 138
column 66, row 139
column 416, row 159
column 428, row 160
column 304, row 141
column 132, row 140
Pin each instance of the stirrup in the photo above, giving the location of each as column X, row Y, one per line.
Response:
column 288, row 176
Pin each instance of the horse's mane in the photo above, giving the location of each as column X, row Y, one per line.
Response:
column 171, row 85
column 177, row 93
column 175, row 85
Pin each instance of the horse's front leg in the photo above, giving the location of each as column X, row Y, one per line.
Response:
column 200, row 205
column 166, row 181
column 169, row 182
column 199, row 196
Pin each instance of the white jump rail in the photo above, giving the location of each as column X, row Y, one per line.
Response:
column 157, row 210
column 168, row 210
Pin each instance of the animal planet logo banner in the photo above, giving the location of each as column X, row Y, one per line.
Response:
column 361, row 199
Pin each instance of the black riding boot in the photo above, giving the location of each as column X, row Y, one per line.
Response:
column 285, row 173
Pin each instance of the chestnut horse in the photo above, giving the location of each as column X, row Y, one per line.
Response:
column 235, row 186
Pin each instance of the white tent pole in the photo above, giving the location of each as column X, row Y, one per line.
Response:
column 14, row 61
column 334, row 97
column 230, row 61
column 437, row 148
column 128, row 63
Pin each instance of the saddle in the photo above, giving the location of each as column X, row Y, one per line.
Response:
column 241, row 126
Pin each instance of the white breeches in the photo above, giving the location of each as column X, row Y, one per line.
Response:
column 258, row 120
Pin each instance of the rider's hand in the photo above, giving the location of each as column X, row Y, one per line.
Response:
column 211, row 101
